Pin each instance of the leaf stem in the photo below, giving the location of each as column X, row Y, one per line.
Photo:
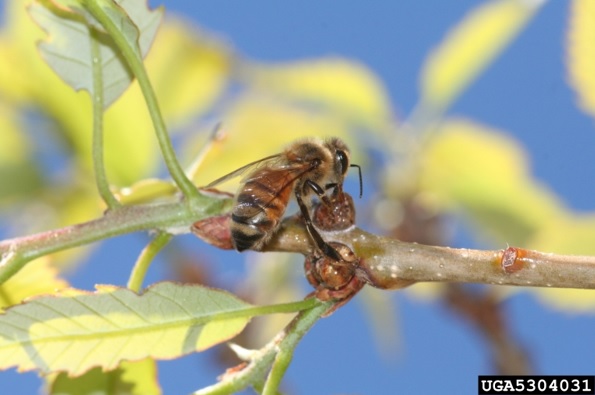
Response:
column 290, row 307
column 97, row 148
column 144, row 260
column 291, row 336
column 284, row 343
column 131, row 54
column 282, row 308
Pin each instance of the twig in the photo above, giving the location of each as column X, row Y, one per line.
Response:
column 15, row 253
column 391, row 264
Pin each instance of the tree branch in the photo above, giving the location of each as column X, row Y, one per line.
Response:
column 391, row 264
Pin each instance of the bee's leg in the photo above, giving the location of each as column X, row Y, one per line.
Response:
column 320, row 243
column 337, row 188
column 321, row 192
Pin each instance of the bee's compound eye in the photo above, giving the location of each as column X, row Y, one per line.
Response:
column 343, row 160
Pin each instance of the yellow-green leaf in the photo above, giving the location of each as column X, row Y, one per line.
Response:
column 14, row 145
column 569, row 300
column 131, row 151
column 188, row 70
column 78, row 331
column 486, row 174
column 581, row 52
column 130, row 378
column 470, row 47
column 147, row 190
column 12, row 79
column 35, row 278
column 344, row 86
column 19, row 174
column 570, row 234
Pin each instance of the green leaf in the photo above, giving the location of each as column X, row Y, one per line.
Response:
column 77, row 331
column 130, row 378
column 75, row 47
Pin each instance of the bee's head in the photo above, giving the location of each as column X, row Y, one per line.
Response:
column 327, row 160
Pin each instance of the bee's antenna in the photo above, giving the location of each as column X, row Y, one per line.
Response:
column 361, row 183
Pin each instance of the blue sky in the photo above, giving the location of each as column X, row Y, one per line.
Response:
column 525, row 92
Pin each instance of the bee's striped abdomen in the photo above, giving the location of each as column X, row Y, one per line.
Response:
column 260, row 204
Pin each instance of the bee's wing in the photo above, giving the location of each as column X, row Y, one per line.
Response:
column 244, row 169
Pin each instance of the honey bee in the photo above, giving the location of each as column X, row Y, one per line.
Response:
column 307, row 166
